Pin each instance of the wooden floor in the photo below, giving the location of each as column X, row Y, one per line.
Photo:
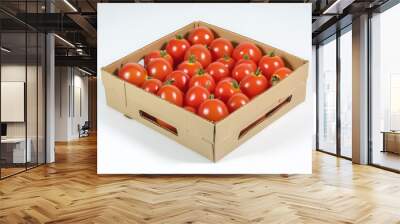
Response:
column 69, row 191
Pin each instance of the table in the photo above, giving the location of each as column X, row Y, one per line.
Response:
column 18, row 151
column 391, row 141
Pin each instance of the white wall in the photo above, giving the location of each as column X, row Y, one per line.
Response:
column 71, row 93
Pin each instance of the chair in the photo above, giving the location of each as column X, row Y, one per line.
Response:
column 84, row 130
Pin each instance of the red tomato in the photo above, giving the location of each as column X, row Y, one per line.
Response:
column 221, row 47
column 158, row 54
column 195, row 96
column 218, row 71
column 247, row 48
column 228, row 62
column 171, row 94
column 241, row 71
column 280, row 74
column 254, row 84
column 213, row 110
column 179, row 79
column 201, row 54
column 236, row 101
column 166, row 125
column 152, row 85
column 133, row 73
column 201, row 35
column 226, row 88
column 269, row 64
column 246, row 60
column 177, row 48
column 203, row 79
column 159, row 68
column 190, row 109
column 190, row 67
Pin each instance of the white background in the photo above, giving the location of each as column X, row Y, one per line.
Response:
column 127, row 147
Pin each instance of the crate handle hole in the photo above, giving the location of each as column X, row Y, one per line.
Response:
column 271, row 112
column 158, row 122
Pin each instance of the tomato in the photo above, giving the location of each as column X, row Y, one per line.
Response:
column 242, row 70
column 177, row 48
column 152, row 85
column 247, row 48
column 213, row 110
column 280, row 74
column 201, row 35
column 220, row 48
column 202, row 79
column 218, row 71
column 254, row 84
column 269, row 64
column 190, row 67
column 166, row 125
column 246, row 60
column 228, row 62
column 195, row 96
column 158, row 54
column 190, row 109
column 236, row 101
column 159, row 68
column 226, row 88
column 179, row 79
column 133, row 73
column 201, row 54
column 171, row 94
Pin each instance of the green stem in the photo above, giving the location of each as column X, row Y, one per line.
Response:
column 271, row 53
column 192, row 59
column 235, row 84
column 274, row 80
column 200, row 71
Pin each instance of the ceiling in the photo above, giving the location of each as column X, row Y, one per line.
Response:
column 76, row 22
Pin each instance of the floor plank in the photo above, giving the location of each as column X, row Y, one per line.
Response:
column 70, row 191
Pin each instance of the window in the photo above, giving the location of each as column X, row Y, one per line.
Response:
column 385, row 89
column 346, row 94
column 327, row 97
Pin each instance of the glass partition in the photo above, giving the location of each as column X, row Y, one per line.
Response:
column 13, row 105
column 23, row 89
column 327, row 96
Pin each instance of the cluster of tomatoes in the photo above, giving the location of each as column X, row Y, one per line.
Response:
column 206, row 75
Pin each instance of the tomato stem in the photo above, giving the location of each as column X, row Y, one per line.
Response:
column 246, row 57
column 163, row 53
column 169, row 82
column 258, row 72
column 179, row 37
column 226, row 57
column 275, row 79
column 200, row 71
column 235, row 84
column 192, row 59
column 211, row 96
column 271, row 53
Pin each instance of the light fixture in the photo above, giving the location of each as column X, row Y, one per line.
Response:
column 70, row 5
column 84, row 71
column 5, row 49
column 64, row 40
column 337, row 7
